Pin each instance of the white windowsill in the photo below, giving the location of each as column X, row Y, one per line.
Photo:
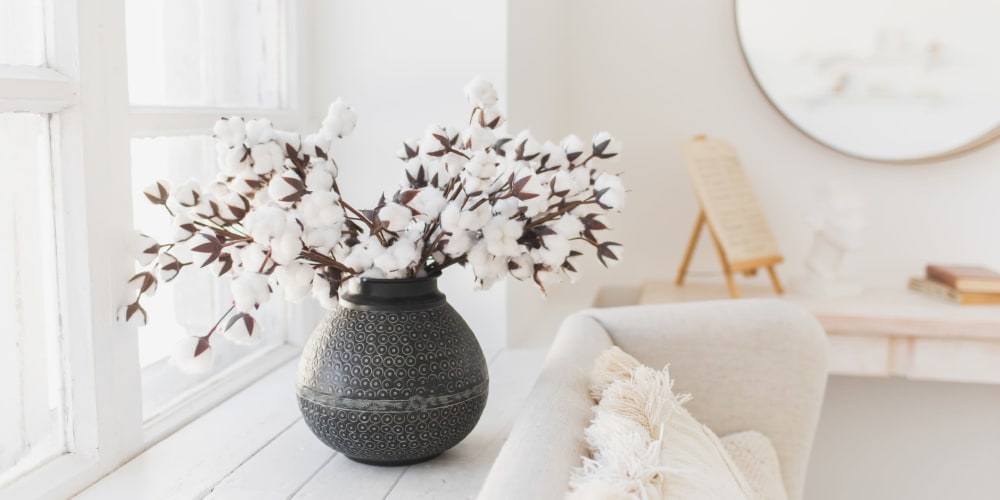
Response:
column 256, row 446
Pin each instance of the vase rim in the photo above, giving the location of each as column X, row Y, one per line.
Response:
column 366, row 279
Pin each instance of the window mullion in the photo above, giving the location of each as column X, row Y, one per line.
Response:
column 92, row 184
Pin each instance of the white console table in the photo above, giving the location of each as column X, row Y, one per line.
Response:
column 883, row 332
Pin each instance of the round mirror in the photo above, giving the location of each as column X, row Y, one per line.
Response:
column 889, row 80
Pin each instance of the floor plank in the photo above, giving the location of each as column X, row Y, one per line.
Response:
column 190, row 462
column 460, row 472
column 279, row 469
column 345, row 479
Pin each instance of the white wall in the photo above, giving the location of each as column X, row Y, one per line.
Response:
column 402, row 66
column 656, row 73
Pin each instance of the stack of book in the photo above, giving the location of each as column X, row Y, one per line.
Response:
column 960, row 284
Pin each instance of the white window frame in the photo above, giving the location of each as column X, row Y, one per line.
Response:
column 84, row 88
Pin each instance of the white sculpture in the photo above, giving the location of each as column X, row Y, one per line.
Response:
column 839, row 223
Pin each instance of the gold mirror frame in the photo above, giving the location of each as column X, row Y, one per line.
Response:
column 976, row 143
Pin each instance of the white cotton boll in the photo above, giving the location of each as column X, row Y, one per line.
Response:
column 234, row 161
column 218, row 189
column 182, row 228
column 605, row 145
column 568, row 226
column 414, row 169
column 373, row 273
column 287, row 247
column 286, row 189
column 501, row 235
column 551, row 276
column 610, row 191
column 146, row 249
column 459, row 243
column 321, row 209
column 242, row 329
column 313, row 141
column 571, row 182
column 521, row 267
column 396, row 216
column 184, row 357
column 187, row 194
column 230, row 131
column 265, row 223
column 429, row 202
column 319, row 180
column 482, row 165
column 474, row 185
column 554, row 251
column 437, row 172
column 491, row 117
column 454, row 163
column 267, row 157
column 450, row 216
column 553, row 156
column 477, row 138
column 327, row 166
column 341, row 250
column 573, row 146
column 233, row 206
column 409, row 149
column 506, row 207
column 167, row 267
column 157, row 192
column 528, row 146
column 249, row 290
column 132, row 315
column 386, row 262
column 321, row 239
column 285, row 139
column 474, row 220
column 252, row 257
column 434, row 142
column 245, row 183
column 321, row 292
column 480, row 93
column 295, row 280
column 534, row 185
column 259, row 131
column 340, row 120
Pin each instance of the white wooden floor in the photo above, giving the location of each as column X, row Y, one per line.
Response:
column 256, row 446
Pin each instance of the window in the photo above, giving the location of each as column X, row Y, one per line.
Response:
column 31, row 424
column 97, row 99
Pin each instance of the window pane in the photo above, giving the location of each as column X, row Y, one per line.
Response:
column 221, row 53
column 192, row 303
column 22, row 34
column 31, row 388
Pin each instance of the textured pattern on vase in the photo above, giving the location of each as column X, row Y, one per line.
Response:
column 392, row 387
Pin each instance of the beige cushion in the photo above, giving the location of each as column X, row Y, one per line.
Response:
column 754, row 454
column 644, row 444
column 754, row 364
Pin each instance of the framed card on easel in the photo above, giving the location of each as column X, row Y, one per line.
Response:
column 730, row 209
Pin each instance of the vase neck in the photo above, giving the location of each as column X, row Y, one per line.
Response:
column 393, row 293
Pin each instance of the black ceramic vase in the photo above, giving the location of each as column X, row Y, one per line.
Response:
column 393, row 375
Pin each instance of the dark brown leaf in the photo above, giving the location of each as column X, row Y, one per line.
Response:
column 161, row 197
column 203, row 345
column 212, row 246
column 604, row 251
column 600, row 147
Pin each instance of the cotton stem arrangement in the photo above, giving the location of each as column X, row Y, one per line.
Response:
column 274, row 220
